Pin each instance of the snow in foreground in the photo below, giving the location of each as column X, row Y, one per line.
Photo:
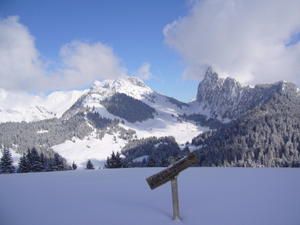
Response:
column 208, row 196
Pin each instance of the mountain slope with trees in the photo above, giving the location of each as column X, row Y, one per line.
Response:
column 268, row 135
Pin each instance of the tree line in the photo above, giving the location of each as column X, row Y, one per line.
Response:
column 33, row 161
column 149, row 152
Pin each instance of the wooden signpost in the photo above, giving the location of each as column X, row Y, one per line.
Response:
column 170, row 174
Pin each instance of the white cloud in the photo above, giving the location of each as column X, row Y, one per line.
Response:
column 80, row 63
column 19, row 59
column 245, row 39
column 144, row 71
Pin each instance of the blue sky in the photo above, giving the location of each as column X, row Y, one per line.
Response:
column 63, row 44
column 132, row 28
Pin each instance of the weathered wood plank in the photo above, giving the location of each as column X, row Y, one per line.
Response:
column 172, row 171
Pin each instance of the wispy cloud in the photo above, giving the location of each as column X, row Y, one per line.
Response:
column 82, row 63
column 144, row 71
column 78, row 65
column 244, row 39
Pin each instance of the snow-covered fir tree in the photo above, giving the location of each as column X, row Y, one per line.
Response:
column 35, row 161
column 6, row 162
column 89, row 165
column 57, row 163
column 32, row 161
column 24, row 166
column 114, row 161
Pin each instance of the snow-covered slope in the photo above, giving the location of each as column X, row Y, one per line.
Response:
column 90, row 148
column 137, row 107
column 19, row 106
column 166, row 120
column 208, row 196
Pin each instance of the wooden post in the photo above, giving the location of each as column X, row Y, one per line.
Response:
column 175, row 199
column 170, row 174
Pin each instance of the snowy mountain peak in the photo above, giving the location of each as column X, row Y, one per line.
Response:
column 210, row 75
column 213, row 87
column 212, row 80
column 102, row 92
column 131, row 86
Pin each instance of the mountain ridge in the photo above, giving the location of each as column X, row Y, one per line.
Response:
column 113, row 113
column 110, row 114
column 265, row 135
column 228, row 99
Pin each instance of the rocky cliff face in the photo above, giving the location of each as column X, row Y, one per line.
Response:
column 228, row 99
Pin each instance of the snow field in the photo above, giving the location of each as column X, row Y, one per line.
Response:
column 208, row 196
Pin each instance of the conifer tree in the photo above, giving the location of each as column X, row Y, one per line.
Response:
column 51, row 166
column 24, row 166
column 6, row 162
column 34, row 160
column 89, row 165
column 108, row 162
column 74, row 166
column 151, row 162
column 114, row 161
column 118, row 161
column 43, row 160
column 58, row 163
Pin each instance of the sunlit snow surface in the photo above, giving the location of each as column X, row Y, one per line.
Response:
column 90, row 148
column 81, row 150
column 208, row 196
